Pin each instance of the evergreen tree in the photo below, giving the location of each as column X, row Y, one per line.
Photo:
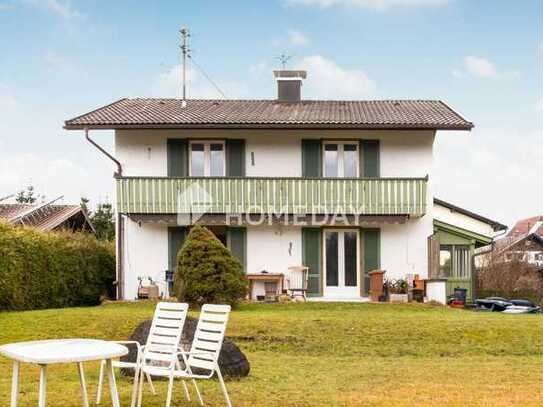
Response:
column 207, row 272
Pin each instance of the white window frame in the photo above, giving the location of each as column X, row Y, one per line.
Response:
column 336, row 290
column 207, row 157
column 340, row 157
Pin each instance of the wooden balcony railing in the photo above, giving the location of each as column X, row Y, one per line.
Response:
column 221, row 195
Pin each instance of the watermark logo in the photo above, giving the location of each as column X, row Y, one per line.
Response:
column 193, row 202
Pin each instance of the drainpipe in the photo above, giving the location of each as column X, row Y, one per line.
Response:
column 119, row 172
column 119, row 223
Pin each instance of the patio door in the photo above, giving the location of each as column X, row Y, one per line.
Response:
column 341, row 263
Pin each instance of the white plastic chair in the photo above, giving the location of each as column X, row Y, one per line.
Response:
column 166, row 329
column 203, row 355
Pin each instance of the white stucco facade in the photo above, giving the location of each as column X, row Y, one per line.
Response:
column 455, row 218
column 277, row 153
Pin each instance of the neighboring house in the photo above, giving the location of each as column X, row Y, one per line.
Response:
column 268, row 176
column 458, row 233
column 46, row 216
column 523, row 243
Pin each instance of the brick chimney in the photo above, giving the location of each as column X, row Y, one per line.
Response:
column 289, row 85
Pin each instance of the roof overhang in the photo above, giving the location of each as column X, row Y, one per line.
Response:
column 455, row 230
column 496, row 226
column 287, row 126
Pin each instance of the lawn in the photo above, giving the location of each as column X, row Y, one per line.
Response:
column 321, row 354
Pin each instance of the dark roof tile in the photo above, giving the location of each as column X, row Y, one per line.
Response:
column 376, row 114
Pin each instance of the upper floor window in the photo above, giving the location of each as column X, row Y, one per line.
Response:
column 207, row 159
column 341, row 159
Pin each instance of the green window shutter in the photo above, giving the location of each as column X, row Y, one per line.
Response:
column 311, row 257
column 235, row 158
column 369, row 158
column 178, row 158
column 311, row 158
column 176, row 238
column 236, row 240
column 371, row 248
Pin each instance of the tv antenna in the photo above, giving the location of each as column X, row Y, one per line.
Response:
column 185, row 52
column 283, row 59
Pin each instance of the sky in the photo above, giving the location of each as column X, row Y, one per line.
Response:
column 62, row 58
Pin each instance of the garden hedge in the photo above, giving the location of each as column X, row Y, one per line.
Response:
column 53, row 269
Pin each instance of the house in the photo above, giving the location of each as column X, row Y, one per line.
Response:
column 343, row 187
column 523, row 243
column 46, row 216
column 458, row 235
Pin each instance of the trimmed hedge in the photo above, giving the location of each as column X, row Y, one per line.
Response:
column 207, row 272
column 53, row 269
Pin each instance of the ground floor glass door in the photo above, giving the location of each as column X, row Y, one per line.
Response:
column 341, row 263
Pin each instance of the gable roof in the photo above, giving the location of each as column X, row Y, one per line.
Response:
column 496, row 226
column 209, row 113
column 44, row 216
column 528, row 226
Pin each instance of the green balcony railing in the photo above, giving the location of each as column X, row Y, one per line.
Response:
column 220, row 195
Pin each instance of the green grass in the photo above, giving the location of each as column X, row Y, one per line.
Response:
column 321, row 354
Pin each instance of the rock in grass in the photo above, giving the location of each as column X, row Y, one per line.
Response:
column 232, row 361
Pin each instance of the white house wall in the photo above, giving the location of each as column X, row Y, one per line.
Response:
column 145, row 255
column 404, row 248
column 460, row 220
column 274, row 249
column 277, row 153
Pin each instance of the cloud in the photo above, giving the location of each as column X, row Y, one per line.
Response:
column 369, row 4
column 52, row 177
column 492, row 174
column 296, row 37
column 57, row 62
column 168, row 84
column 327, row 80
column 62, row 9
column 8, row 99
column 539, row 105
column 33, row 151
column 480, row 67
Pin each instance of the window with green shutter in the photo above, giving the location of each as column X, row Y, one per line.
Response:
column 176, row 238
column 236, row 239
column 369, row 158
column 311, row 158
column 177, row 157
column 371, row 248
column 235, row 157
column 311, row 257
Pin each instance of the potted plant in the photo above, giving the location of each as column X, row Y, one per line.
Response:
column 396, row 290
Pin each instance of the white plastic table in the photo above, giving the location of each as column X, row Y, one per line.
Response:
column 49, row 352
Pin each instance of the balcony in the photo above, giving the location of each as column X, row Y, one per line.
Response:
column 350, row 196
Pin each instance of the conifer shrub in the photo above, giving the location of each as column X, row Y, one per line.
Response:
column 207, row 272
column 53, row 269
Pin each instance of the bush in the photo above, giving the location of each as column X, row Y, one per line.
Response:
column 52, row 269
column 513, row 279
column 207, row 272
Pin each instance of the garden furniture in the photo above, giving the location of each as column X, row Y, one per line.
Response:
column 297, row 281
column 200, row 363
column 44, row 353
column 166, row 329
column 276, row 278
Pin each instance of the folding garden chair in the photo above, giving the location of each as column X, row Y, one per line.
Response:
column 200, row 363
column 165, row 332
